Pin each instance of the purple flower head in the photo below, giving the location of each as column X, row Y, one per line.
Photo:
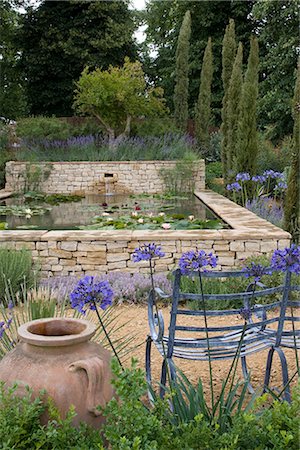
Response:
column 195, row 260
column 5, row 325
column 281, row 185
column 272, row 174
column 243, row 176
column 146, row 252
column 88, row 293
column 256, row 271
column 234, row 187
column 259, row 179
column 287, row 260
column 245, row 313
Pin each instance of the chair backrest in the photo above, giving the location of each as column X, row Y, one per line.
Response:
column 252, row 292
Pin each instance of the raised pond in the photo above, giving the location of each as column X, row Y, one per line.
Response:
column 108, row 212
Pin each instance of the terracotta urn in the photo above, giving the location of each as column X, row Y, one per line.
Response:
column 56, row 354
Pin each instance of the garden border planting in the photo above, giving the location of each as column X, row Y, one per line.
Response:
column 80, row 252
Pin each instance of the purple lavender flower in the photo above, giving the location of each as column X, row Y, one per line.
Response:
column 234, row 187
column 195, row 260
column 146, row 252
column 256, row 271
column 267, row 209
column 287, row 260
column 243, row 176
column 87, row 294
column 259, row 179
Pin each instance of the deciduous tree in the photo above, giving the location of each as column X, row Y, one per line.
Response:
column 116, row 96
column 59, row 38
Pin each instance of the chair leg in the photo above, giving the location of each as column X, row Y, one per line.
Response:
column 246, row 374
column 284, row 372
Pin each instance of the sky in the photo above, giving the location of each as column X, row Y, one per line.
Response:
column 140, row 32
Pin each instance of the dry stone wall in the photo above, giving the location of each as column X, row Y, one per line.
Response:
column 81, row 177
column 67, row 252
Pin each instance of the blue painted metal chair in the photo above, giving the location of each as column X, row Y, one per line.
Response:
column 228, row 340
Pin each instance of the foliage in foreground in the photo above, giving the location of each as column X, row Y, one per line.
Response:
column 131, row 425
column 15, row 270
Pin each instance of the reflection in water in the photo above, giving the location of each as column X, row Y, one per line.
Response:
column 73, row 214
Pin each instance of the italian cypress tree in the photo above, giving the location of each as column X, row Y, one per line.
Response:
column 228, row 55
column 181, row 74
column 291, row 205
column 203, row 110
column 247, row 145
column 234, row 108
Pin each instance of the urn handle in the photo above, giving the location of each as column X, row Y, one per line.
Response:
column 95, row 372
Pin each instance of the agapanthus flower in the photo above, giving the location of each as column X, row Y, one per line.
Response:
column 243, row 176
column 287, row 260
column 259, row 179
column 281, row 185
column 234, row 187
column 256, row 270
column 245, row 313
column 272, row 174
column 146, row 252
column 88, row 293
column 195, row 260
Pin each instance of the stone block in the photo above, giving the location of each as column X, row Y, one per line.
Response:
column 283, row 243
column 41, row 245
column 56, row 268
column 268, row 246
column 237, row 246
column 92, row 247
column 67, row 262
column 114, row 257
column 252, row 246
column 43, row 253
column 60, row 253
column 69, row 246
column 116, row 265
column 83, row 260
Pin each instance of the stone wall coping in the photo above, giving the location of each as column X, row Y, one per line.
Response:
column 22, row 235
column 100, row 162
column 238, row 217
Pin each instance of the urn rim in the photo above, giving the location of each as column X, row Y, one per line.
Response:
column 56, row 331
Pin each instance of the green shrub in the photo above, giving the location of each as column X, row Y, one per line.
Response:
column 154, row 127
column 43, row 127
column 130, row 425
column 270, row 157
column 20, row 427
column 15, row 269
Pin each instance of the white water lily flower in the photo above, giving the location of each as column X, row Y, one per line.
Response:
column 140, row 220
column 134, row 214
column 28, row 211
column 105, row 214
column 166, row 226
column 191, row 217
column 28, row 216
column 161, row 214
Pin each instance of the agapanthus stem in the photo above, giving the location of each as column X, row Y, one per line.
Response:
column 207, row 339
column 107, row 335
